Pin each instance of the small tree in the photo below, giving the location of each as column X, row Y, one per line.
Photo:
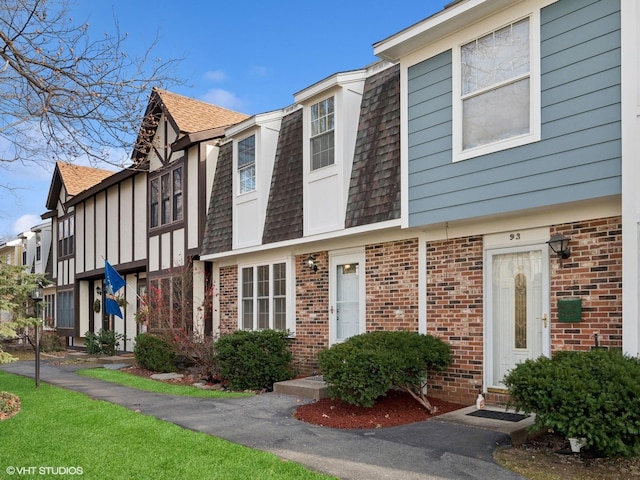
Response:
column 16, row 285
column 169, row 308
column 64, row 94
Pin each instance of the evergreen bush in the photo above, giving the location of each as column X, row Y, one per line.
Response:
column 154, row 353
column 367, row 366
column 254, row 360
column 593, row 395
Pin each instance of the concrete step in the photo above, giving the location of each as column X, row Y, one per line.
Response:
column 309, row 387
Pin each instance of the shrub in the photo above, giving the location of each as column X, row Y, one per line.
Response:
column 593, row 395
column 154, row 353
column 367, row 366
column 105, row 342
column 250, row 360
column 196, row 350
column 52, row 342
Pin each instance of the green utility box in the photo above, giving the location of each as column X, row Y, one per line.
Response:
column 570, row 310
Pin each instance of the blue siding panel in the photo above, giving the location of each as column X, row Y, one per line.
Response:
column 579, row 154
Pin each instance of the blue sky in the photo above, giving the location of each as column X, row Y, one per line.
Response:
column 251, row 57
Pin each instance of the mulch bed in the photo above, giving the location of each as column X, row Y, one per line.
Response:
column 396, row 408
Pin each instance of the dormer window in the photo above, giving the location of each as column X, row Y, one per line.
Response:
column 247, row 164
column 322, row 136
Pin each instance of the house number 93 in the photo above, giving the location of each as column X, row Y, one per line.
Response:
column 514, row 236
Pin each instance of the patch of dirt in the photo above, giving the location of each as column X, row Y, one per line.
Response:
column 9, row 405
column 546, row 458
column 396, row 408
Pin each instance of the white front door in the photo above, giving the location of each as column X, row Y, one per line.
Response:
column 346, row 295
column 517, row 322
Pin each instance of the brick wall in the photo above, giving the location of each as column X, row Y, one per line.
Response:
column 228, row 299
column 392, row 285
column 455, row 314
column 312, row 313
column 455, row 290
column 455, row 300
column 593, row 273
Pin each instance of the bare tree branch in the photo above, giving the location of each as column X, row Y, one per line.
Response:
column 63, row 94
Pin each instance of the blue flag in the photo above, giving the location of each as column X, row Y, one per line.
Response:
column 113, row 282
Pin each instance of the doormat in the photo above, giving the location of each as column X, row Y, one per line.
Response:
column 504, row 416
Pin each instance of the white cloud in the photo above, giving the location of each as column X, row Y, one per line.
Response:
column 25, row 223
column 215, row 75
column 223, row 98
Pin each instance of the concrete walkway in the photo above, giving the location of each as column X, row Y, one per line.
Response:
column 434, row 450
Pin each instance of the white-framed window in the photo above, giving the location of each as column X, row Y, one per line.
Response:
column 247, row 164
column 322, row 134
column 497, row 90
column 263, row 296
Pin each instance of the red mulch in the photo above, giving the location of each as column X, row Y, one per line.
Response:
column 396, row 408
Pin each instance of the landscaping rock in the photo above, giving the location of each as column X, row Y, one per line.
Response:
column 166, row 376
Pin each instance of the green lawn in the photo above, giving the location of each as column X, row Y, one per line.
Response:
column 128, row 380
column 61, row 428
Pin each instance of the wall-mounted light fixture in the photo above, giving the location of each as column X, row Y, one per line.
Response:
column 99, row 291
column 311, row 263
column 560, row 246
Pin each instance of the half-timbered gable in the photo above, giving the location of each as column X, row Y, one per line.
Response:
column 68, row 181
column 181, row 154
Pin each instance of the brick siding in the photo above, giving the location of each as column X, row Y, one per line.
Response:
column 455, row 314
column 593, row 273
column 312, row 313
column 455, row 299
column 228, row 299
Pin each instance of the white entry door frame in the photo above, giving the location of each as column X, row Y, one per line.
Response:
column 346, row 294
column 517, row 320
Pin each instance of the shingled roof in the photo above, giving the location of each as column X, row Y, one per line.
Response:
column 78, row 178
column 192, row 115
column 284, row 210
column 218, row 229
column 75, row 179
column 374, row 189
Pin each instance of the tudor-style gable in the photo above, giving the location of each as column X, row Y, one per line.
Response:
column 178, row 144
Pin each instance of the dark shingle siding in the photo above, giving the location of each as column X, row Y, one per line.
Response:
column 374, row 190
column 284, row 210
column 218, row 230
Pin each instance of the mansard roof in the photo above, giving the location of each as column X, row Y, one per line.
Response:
column 374, row 189
column 218, row 230
column 284, row 219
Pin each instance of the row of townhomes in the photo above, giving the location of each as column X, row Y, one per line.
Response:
column 32, row 250
column 418, row 193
